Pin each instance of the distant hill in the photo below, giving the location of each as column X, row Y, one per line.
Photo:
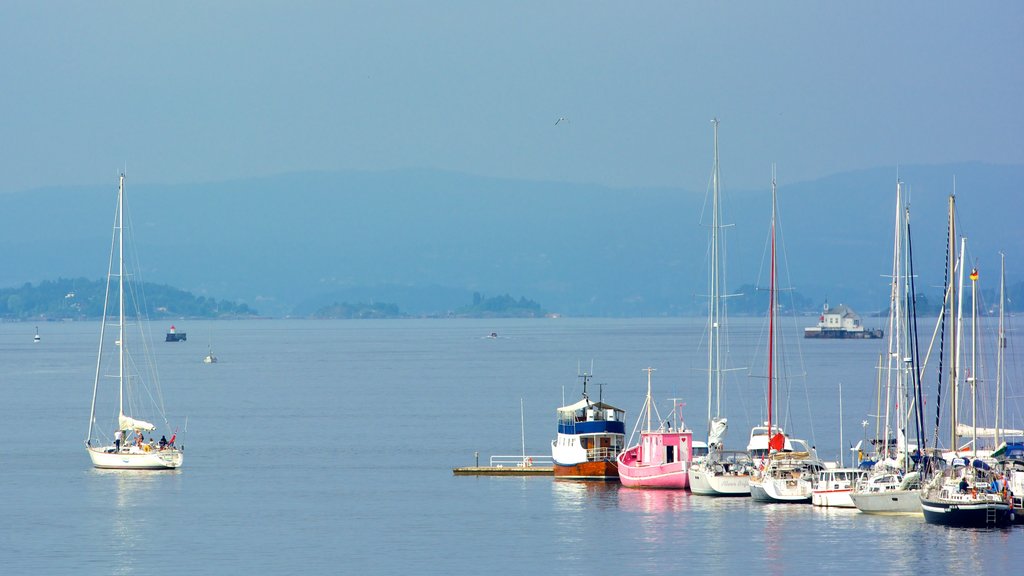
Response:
column 427, row 240
column 81, row 299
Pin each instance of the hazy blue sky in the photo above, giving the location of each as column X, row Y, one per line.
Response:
column 199, row 91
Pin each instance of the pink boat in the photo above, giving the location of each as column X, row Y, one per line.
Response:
column 662, row 457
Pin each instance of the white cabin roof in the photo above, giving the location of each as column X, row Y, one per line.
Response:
column 585, row 403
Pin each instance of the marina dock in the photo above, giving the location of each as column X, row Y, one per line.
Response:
column 504, row 471
column 509, row 466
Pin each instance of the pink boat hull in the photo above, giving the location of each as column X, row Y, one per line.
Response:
column 674, row 475
column 650, row 470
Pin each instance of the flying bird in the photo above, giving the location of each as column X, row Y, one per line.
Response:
column 561, row 119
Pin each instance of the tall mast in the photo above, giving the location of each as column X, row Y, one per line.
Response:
column 894, row 363
column 771, row 316
column 960, row 319
column 714, row 307
column 120, row 294
column 1000, row 340
column 954, row 340
column 974, row 360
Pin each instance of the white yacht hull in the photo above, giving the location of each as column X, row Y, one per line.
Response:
column 706, row 483
column 832, row 499
column 135, row 459
column 889, row 502
column 782, row 490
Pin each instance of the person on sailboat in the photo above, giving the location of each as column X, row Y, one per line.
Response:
column 163, row 442
column 117, row 440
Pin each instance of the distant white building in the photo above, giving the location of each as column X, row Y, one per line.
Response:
column 840, row 322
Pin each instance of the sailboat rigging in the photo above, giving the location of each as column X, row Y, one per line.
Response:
column 719, row 473
column 128, row 448
column 785, row 474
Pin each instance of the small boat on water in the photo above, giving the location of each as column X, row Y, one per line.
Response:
column 787, row 477
column 590, row 437
column 174, row 336
column 834, row 486
column 36, row 337
column 210, row 358
column 840, row 322
column 722, row 473
column 662, row 456
column 888, row 491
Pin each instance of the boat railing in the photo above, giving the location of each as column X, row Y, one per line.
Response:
column 521, row 461
column 599, row 454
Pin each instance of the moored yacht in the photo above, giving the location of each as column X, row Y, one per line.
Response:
column 833, row 486
column 888, row 491
column 786, row 476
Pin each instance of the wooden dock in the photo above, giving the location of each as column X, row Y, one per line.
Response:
column 504, row 471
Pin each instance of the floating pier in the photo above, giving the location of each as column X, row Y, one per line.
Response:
column 509, row 466
column 504, row 471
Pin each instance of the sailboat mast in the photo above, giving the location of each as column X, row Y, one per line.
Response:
column 954, row 339
column 714, row 347
column 771, row 316
column 120, row 294
column 895, row 314
column 960, row 322
column 1000, row 340
column 974, row 360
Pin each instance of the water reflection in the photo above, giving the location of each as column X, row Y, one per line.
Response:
column 131, row 514
column 574, row 495
column 654, row 501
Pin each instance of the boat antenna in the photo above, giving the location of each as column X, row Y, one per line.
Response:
column 585, row 377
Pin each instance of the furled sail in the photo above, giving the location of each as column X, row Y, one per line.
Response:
column 129, row 423
column 718, row 429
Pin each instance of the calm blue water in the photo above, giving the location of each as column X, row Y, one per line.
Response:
column 327, row 446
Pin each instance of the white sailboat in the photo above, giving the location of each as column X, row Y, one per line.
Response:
column 131, row 445
column 892, row 487
column 719, row 473
column 787, row 474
